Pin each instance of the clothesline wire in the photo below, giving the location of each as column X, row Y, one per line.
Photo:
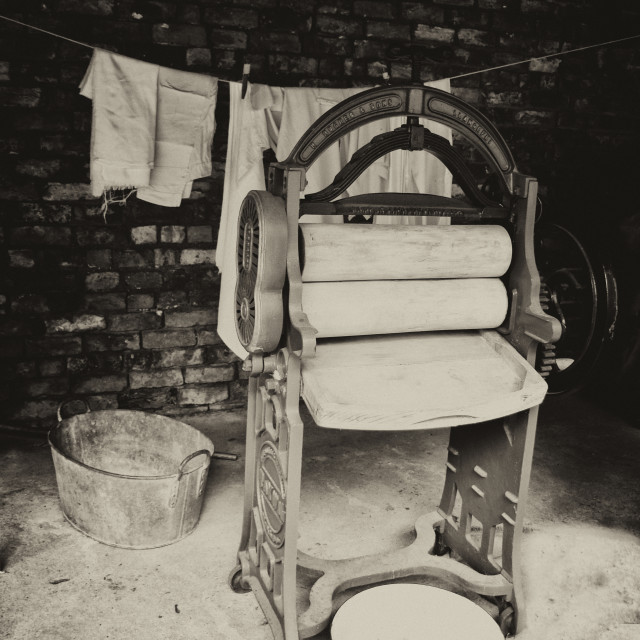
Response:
column 550, row 55
column 462, row 75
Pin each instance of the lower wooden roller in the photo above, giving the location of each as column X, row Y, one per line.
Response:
column 333, row 253
column 385, row 306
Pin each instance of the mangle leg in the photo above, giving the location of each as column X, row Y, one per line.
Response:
column 483, row 500
column 268, row 547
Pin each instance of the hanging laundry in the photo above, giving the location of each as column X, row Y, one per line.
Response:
column 184, row 133
column 152, row 127
column 123, row 127
column 244, row 172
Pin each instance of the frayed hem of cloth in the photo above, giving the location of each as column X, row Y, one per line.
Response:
column 115, row 195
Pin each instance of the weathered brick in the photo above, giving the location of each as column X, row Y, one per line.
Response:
column 77, row 324
column 176, row 319
column 180, row 35
column 437, row 34
column 177, row 357
column 189, row 13
column 134, row 321
column 47, row 387
column 17, row 326
column 470, row 95
column 401, row 70
column 99, row 258
column 457, row 3
column 388, row 30
column 71, row 192
column 533, row 117
column 203, row 375
column 202, row 395
column 200, row 233
column 421, row 12
column 545, row 66
column 147, row 234
column 287, row 42
column 339, row 26
column 140, row 302
column 172, row 299
column 112, row 342
column 143, row 280
column 54, row 346
column 373, row 9
column 166, row 378
column 104, row 302
column 231, row 17
column 4, row 71
column 19, row 97
column 100, row 384
column 504, row 98
column 225, row 60
column 96, row 237
column 220, row 353
column 41, row 235
column 21, row 258
column 198, row 256
column 35, row 409
column 168, row 339
column 377, row 69
column 128, row 259
column 9, row 370
column 102, row 402
column 29, row 303
column 228, row 39
column 38, row 168
column 370, row 49
column 52, row 367
column 300, row 65
column 89, row 7
column 164, row 257
column 172, row 234
column 102, row 281
column 474, row 37
column 198, row 57
column 146, row 399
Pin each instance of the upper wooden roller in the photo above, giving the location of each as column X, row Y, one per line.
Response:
column 333, row 252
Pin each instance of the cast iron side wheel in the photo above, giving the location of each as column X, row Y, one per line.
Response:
column 505, row 620
column 579, row 289
column 236, row 582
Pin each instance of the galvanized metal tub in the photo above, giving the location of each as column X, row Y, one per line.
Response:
column 130, row 479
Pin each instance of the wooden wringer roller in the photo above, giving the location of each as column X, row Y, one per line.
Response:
column 392, row 327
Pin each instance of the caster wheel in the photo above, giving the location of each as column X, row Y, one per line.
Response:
column 236, row 582
column 439, row 547
column 506, row 620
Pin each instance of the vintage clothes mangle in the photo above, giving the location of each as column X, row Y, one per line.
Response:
column 390, row 327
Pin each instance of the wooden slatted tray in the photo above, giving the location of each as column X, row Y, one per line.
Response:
column 417, row 381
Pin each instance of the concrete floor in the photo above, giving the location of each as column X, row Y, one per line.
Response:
column 581, row 551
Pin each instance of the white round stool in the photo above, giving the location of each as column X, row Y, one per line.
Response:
column 412, row 612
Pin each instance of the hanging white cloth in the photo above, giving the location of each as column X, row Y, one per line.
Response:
column 124, row 95
column 244, row 172
column 184, row 133
column 418, row 171
column 152, row 127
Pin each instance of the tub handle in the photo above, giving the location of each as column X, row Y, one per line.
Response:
column 176, row 486
column 64, row 402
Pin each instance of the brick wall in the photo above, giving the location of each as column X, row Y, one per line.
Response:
column 121, row 310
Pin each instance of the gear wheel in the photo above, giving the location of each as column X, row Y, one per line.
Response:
column 546, row 357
